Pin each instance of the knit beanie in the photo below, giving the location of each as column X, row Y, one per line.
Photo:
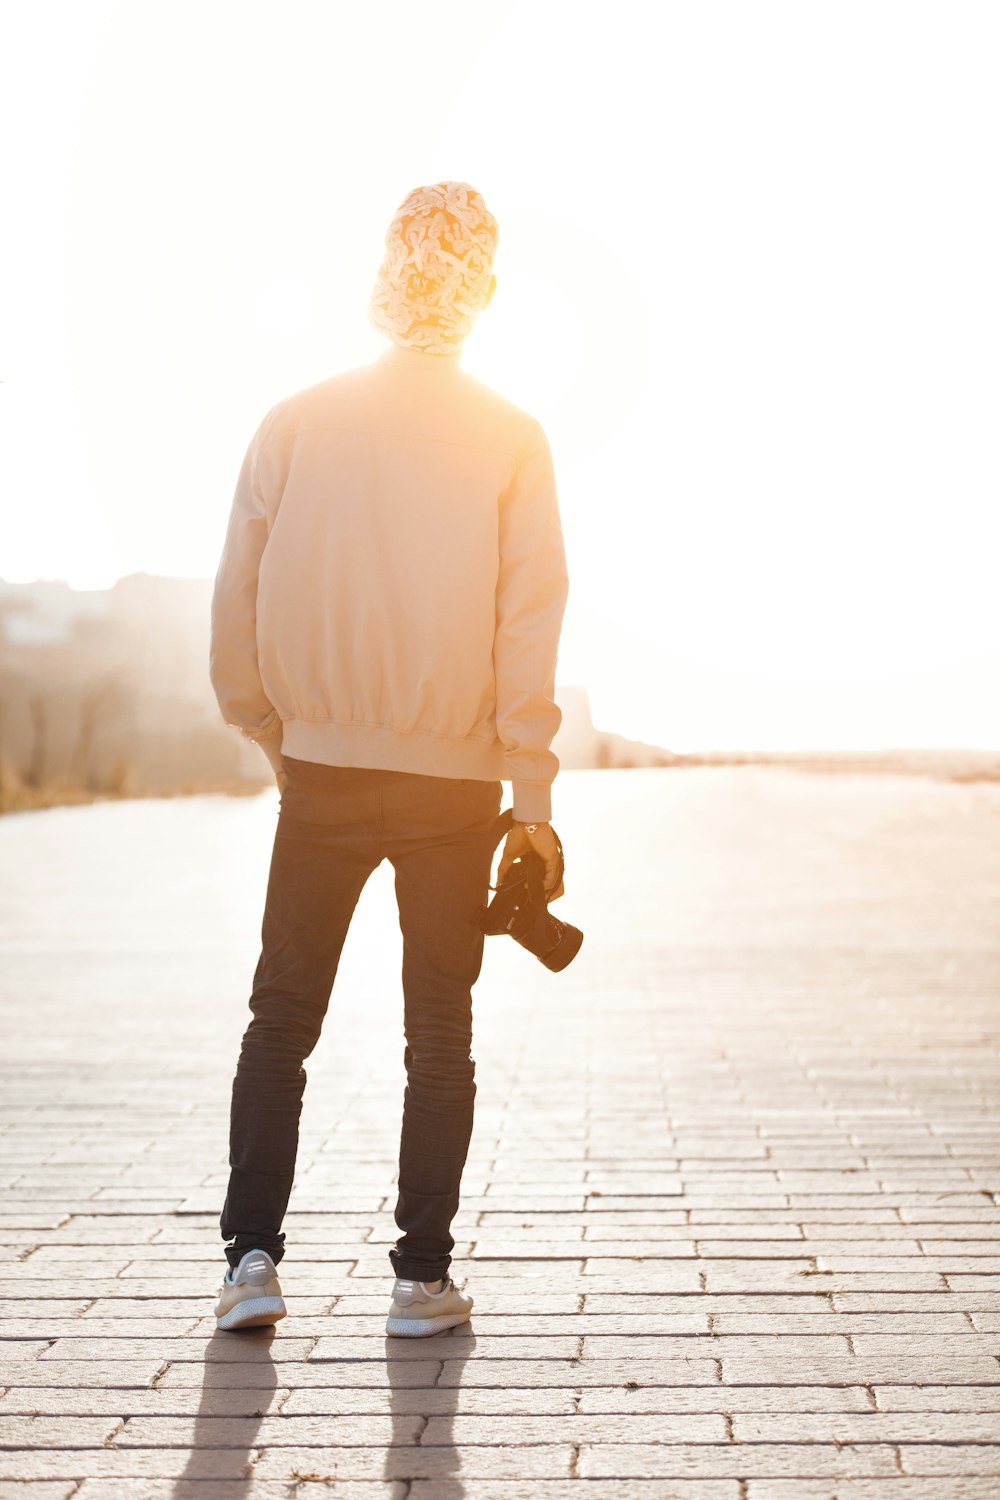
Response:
column 435, row 277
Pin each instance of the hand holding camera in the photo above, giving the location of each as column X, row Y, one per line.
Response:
column 542, row 838
column 520, row 907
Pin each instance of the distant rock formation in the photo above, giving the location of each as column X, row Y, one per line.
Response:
column 580, row 745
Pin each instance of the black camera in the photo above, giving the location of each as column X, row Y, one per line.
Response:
column 519, row 908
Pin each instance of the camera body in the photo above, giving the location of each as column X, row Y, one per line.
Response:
column 519, row 909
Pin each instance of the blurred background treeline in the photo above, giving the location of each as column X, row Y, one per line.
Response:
column 105, row 693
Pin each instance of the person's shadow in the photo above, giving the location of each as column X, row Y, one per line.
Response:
column 425, row 1385
column 240, row 1388
column 424, row 1380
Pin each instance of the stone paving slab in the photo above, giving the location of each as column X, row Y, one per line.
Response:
column 865, row 1489
column 732, row 1205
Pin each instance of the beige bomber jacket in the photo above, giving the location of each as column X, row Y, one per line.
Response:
column 393, row 580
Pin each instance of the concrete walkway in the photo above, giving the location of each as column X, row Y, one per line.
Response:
column 730, row 1217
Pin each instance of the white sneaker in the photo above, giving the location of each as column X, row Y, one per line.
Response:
column 415, row 1312
column 251, row 1294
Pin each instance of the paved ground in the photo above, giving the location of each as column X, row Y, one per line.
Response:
column 730, row 1217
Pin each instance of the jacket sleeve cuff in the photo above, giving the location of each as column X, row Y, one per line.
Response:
column 532, row 801
column 272, row 727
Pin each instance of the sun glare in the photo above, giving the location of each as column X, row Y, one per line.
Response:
column 284, row 306
column 756, row 327
column 530, row 312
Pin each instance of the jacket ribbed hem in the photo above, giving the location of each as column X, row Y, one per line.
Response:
column 333, row 744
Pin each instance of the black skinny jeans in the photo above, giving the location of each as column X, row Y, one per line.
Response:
column 335, row 826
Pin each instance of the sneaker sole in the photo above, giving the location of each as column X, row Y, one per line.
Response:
column 421, row 1328
column 253, row 1312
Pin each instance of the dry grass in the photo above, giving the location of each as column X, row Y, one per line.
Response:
column 18, row 796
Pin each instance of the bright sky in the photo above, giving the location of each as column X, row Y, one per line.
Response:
column 746, row 279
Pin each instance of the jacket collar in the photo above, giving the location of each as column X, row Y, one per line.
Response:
column 400, row 356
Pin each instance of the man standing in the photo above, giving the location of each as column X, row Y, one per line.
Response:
column 385, row 625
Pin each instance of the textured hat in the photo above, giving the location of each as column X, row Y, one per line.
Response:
column 435, row 277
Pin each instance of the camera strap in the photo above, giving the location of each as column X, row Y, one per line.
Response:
column 502, row 826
